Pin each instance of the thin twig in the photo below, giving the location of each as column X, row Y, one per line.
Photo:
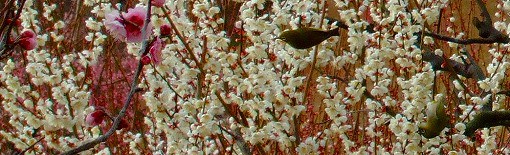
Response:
column 7, row 34
column 5, row 13
column 186, row 45
column 236, row 132
column 227, row 109
column 467, row 41
column 30, row 147
column 167, row 83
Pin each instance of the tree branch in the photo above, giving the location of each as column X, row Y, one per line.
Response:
column 438, row 63
column 499, row 38
column 184, row 42
column 487, row 119
column 30, row 147
column 132, row 91
column 4, row 51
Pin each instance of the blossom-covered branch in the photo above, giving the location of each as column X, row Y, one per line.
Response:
column 115, row 125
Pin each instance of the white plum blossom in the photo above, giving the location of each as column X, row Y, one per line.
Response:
column 226, row 84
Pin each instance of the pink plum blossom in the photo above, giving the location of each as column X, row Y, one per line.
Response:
column 123, row 124
column 154, row 54
column 146, row 60
column 155, row 50
column 165, row 30
column 28, row 44
column 27, row 34
column 95, row 118
column 114, row 24
column 27, row 40
column 158, row 3
column 129, row 25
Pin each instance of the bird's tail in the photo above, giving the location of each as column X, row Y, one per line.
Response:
column 338, row 22
column 334, row 32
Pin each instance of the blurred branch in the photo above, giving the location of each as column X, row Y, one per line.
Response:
column 237, row 135
column 504, row 92
column 236, row 132
column 487, row 119
column 471, row 70
column 494, row 38
column 30, row 147
column 4, row 51
column 485, row 28
column 5, row 14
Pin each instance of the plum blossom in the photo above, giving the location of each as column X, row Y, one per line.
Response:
column 129, row 25
column 123, row 124
column 95, row 118
column 155, row 50
column 115, row 25
column 27, row 40
column 165, row 30
column 158, row 3
column 146, row 60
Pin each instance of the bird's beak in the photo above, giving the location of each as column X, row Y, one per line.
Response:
column 278, row 39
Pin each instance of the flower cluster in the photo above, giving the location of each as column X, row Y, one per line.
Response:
column 27, row 40
column 128, row 26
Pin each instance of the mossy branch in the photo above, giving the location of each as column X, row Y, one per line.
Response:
column 487, row 119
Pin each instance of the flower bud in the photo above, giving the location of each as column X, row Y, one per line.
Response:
column 28, row 44
column 95, row 118
column 158, row 3
column 27, row 34
column 123, row 124
column 146, row 60
column 27, row 40
column 165, row 30
column 155, row 50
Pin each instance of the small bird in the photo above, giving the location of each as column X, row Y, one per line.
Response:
column 437, row 119
column 303, row 38
column 484, row 27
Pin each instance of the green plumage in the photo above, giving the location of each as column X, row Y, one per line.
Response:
column 437, row 120
column 303, row 38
